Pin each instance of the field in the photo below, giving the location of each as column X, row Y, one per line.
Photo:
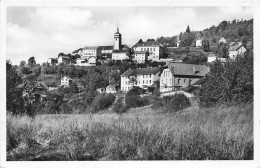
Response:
column 218, row 133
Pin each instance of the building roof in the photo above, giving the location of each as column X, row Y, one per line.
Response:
column 64, row 57
column 119, row 51
column 141, row 71
column 41, row 84
column 200, row 81
column 140, row 52
column 148, row 43
column 188, row 69
column 67, row 77
column 76, row 51
column 90, row 47
column 106, row 47
column 235, row 47
column 211, row 55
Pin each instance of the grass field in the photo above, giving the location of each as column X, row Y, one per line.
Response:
column 218, row 133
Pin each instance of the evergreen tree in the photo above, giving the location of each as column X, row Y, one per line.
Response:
column 188, row 29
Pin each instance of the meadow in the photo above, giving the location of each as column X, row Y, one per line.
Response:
column 218, row 133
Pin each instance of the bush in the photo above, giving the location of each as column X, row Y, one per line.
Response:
column 133, row 101
column 172, row 103
column 102, row 101
column 119, row 106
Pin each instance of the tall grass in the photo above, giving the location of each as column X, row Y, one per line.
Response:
column 140, row 134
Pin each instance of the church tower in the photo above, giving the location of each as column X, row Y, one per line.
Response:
column 117, row 40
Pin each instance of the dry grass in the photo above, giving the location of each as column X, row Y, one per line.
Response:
column 140, row 134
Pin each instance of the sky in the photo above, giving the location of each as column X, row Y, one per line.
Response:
column 44, row 32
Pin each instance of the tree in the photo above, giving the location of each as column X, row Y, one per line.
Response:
column 31, row 62
column 188, row 29
column 206, row 45
column 140, row 41
column 74, row 88
column 14, row 100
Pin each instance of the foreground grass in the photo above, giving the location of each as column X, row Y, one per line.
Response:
column 140, row 134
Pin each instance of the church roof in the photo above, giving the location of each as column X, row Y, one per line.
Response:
column 141, row 71
column 147, row 43
column 106, row 47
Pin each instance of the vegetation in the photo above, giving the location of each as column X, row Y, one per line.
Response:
column 229, row 83
column 119, row 106
column 102, row 101
column 172, row 103
column 133, row 98
column 219, row 133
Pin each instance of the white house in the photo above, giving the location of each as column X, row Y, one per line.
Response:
column 178, row 41
column 154, row 49
column 120, row 55
column 236, row 50
column 180, row 75
column 199, row 42
column 66, row 81
column 91, row 51
column 223, row 40
column 63, row 59
column 111, row 89
column 143, row 78
column 140, row 56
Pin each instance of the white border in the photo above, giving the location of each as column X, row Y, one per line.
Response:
column 253, row 163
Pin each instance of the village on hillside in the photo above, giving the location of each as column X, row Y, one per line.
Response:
column 156, row 68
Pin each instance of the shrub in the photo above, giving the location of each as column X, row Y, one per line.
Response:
column 119, row 106
column 172, row 103
column 102, row 101
column 133, row 101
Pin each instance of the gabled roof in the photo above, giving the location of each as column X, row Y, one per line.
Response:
column 119, row 51
column 67, row 77
column 141, row 71
column 188, row 69
column 147, row 44
column 211, row 55
column 41, row 84
column 140, row 52
column 76, row 51
column 90, row 47
column 106, row 47
column 235, row 47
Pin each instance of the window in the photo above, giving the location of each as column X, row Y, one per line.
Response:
column 146, row 81
column 150, row 81
column 184, row 80
column 143, row 76
column 179, row 80
column 143, row 81
column 150, row 75
column 141, row 49
column 153, row 49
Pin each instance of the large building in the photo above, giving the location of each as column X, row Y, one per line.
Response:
column 106, row 51
column 143, row 78
column 91, row 51
column 199, row 42
column 154, row 49
column 178, row 75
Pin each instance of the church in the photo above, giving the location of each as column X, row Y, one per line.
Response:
column 120, row 52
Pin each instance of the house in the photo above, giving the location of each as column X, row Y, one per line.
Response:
column 140, row 56
column 91, row 51
column 101, row 90
column 63, row 59
column 52, row 61
column 154, row 49
column 212, row 57
column 199, row 42
column 236, row 50
column 120, row 55
column 66, row 81
column 106, row 51
column 111, row 89
column 222, row 40
column 178, row 75
column 143, row 78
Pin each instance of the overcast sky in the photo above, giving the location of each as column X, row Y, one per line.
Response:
column 44, row 32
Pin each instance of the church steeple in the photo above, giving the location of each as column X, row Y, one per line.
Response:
column 117, row 40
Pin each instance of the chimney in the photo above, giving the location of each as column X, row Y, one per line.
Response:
column 194, row 70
